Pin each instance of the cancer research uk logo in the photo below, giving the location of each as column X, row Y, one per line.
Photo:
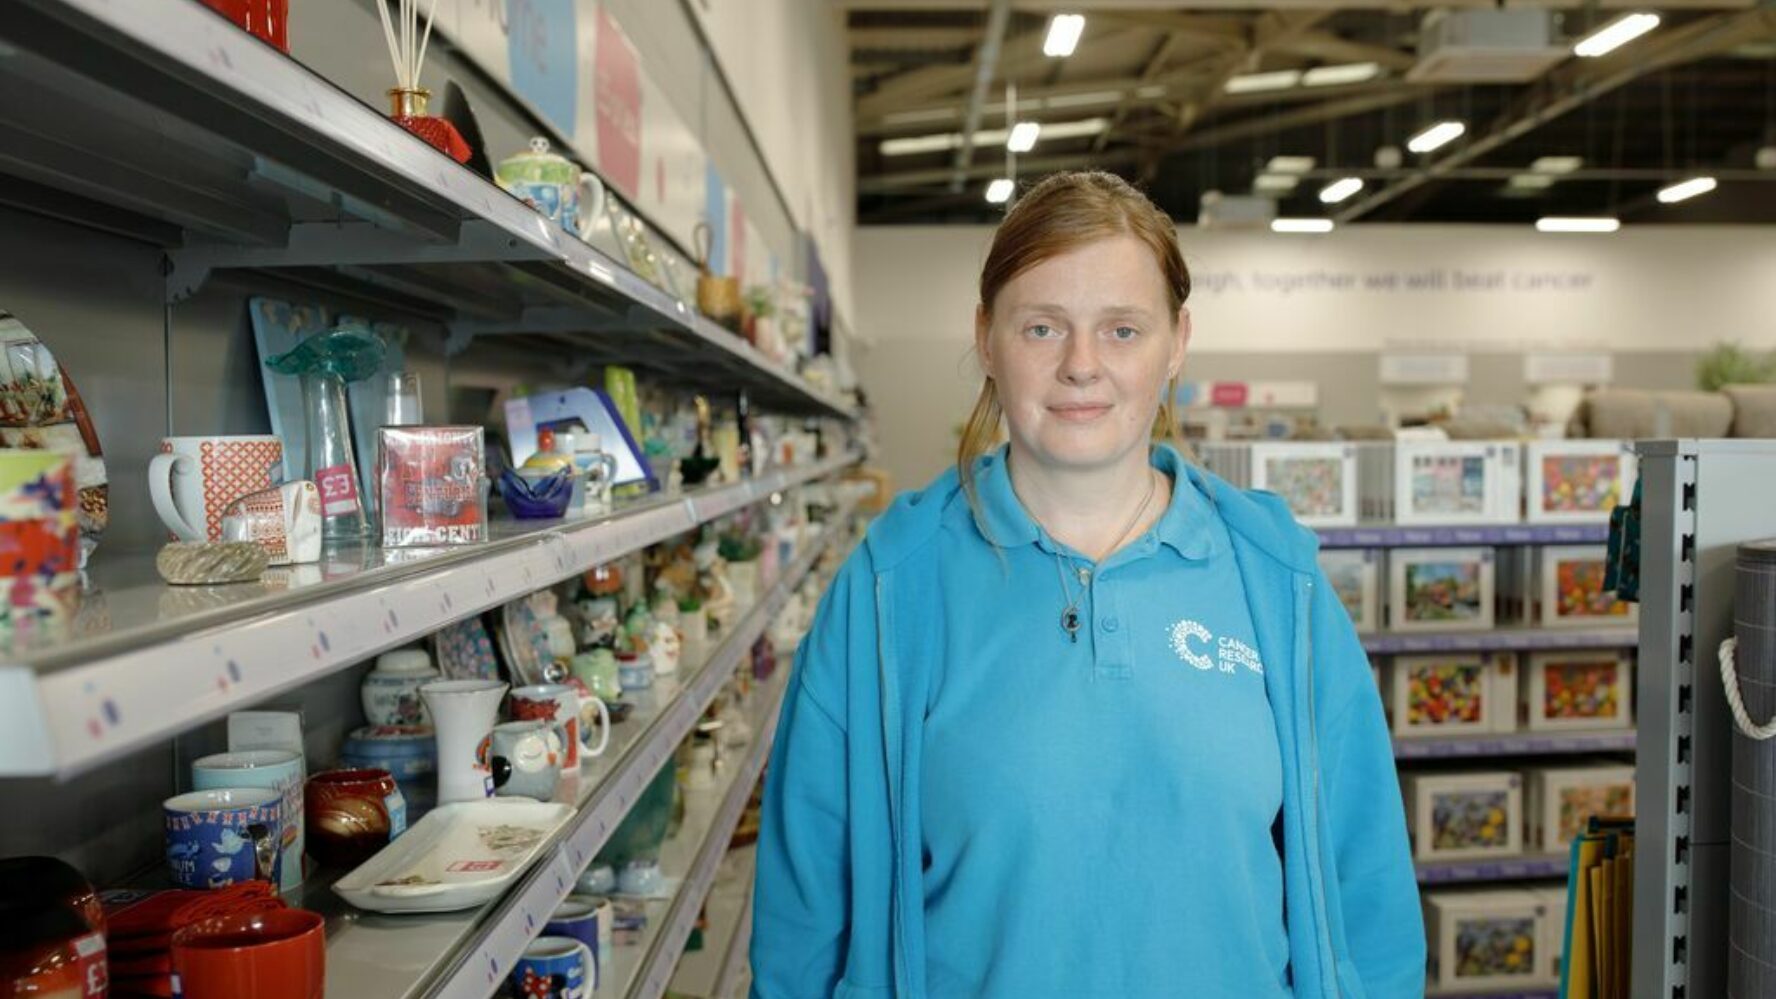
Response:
column 1197, row 646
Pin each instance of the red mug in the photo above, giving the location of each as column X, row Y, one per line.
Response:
column 269, row 20
column 352, row 814
column 280, row 954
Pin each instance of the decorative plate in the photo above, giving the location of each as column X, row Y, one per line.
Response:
column 457, row 857
column 525, row 644
column 464, row 652
column 41, row 410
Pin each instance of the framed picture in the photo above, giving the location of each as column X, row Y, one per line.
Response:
column 1577, row 482
column 1442, row 695
column 1486, row 939
column 1355, row 578
column 1318, row 480
column 1456, row 482
column 1562, row 799
column 1553, row 930
column 1572, row 589
column 1465, row 816
column 1440, row 589
column 1580, row 689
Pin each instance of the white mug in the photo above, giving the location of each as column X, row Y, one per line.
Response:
column 284, row 520
column 193, row 479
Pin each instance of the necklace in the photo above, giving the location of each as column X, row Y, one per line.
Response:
column 1070, row 614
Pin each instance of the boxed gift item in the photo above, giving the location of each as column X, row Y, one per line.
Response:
column 1486, row 938
column 1577, row 481
column 1553, row 930
column 1440, row 589
column 1571, row 593
column 1449, row 694
column 1355, row 577
column 433, row 485
column 1578, row 689
column 1456, row 482
column 1465, row 815
column 1318, row 480
column 1561, row 799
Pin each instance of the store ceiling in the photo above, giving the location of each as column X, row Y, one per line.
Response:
column 1147, row 95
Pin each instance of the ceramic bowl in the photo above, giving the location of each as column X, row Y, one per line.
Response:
column 536, row 496
column 352, row 814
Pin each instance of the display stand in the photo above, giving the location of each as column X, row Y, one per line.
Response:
column 1700, row 500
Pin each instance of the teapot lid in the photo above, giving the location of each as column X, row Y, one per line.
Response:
column 539, row 150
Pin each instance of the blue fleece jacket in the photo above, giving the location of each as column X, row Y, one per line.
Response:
column 839, row 899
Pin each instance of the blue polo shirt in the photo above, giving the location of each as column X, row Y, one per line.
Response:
column 1098, row 816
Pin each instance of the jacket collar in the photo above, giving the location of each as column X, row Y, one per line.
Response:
column 1184, row 527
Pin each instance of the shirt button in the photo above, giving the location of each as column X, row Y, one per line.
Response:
column 1110, row 624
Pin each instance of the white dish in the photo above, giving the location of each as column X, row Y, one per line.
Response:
column 457, row 857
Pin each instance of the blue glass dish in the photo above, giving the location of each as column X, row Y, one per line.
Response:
column 542, row 498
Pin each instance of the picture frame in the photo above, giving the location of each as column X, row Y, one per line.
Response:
column 1484, row 939
column 1441, row 589
column 1457, row 483
column 1588, row 689
column 1449, row 694
column 1465, row 816
column 1572, row 594
column 1317, row 479
column 1560, row 799
column 1553, row 931
column 1355, row 577
column 1576, row 481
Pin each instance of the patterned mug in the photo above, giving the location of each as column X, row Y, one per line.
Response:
column 193, row 479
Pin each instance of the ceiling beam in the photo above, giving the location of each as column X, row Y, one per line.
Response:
column 986, row 66
column 1579, row 81
column 912, row 36
column 1156, row 61
column 1055, row 100
column 1327, row 47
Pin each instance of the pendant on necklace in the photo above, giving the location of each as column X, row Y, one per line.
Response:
column 1070, row 624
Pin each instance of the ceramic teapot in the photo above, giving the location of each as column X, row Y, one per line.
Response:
column 553, row 185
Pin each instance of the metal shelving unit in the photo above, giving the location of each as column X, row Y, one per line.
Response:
column 1442, row 872
column 145, row 661
column 716, row 972
column 279, row 170
column 1499, row 640
column 1700, row 500
column 466, row 955
column 1453, row 747
column 1389, row 536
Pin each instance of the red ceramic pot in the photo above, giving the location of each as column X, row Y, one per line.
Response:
column 268, row 20
column 54, row 944
column 351, row 815
column 281, row 954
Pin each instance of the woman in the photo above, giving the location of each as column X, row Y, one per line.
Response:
column 1081, row 719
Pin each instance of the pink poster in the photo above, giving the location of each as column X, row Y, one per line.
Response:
column 617, row 88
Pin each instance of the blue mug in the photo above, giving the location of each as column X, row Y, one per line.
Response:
column 578, row 918
column 224, row 836
column 555, row 968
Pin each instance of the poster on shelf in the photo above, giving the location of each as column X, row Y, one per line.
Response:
column 542, row 50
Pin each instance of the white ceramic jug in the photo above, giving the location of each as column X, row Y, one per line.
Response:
column 463, row 713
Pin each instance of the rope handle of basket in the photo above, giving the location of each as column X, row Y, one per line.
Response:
column 1730, row 683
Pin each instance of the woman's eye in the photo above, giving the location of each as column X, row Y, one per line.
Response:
column 1041, row 331
column 1125, row 333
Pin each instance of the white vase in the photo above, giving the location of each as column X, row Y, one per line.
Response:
column 463, row 713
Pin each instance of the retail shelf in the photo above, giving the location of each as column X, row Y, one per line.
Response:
column 643, row 971
column 143, row 661
column 1544, row 865
column 1390, row 536
column 280, row 170
column 715, row 971
column 1499, row 640
column 1513, row 744
column 466, row 955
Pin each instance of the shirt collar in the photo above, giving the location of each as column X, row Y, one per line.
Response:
column 1184, row 527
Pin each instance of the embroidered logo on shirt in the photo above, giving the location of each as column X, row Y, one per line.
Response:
column 1231, row 652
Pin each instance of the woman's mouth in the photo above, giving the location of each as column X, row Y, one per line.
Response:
column 1079, row 412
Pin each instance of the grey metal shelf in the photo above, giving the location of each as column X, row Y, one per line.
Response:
column 1528, row 866
column 1391, row 536
column 160, row 121
column 715, row 971
column 1498, row 640
column 1513, row 744
column 143, row 661
column 465, row 955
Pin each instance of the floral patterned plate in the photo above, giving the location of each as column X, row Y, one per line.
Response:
column 464, row 652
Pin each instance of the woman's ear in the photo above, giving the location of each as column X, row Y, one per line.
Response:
column 1180, row 341
column 983, row 324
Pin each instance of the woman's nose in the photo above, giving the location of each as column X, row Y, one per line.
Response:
column 1080, row 362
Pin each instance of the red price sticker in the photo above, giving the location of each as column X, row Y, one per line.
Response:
column 339, row 490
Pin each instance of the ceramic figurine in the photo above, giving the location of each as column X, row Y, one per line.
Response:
column 284, row 520
column 664, row 646
column 525, row 760
column 598, row 622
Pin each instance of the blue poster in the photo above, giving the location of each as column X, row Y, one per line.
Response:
column 542, row 43
column 715, row 213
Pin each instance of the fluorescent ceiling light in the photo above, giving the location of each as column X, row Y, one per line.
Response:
column 1075, row 129
column 914, row 145
column 1556, row 223
column 1150, row 91
column 1532, row 181
column 1685, row 190
column 1616, row 34
column 1436, row 137
column 1333, row 76
column 1340, row 189
column 1301, row 225
column 1023, row 136
column 1557, row 164
column 1251, row 83
column 1289, row 164
column 999, row 191
column 1275, row 183
column 1083, row 99
column 1063, row 35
